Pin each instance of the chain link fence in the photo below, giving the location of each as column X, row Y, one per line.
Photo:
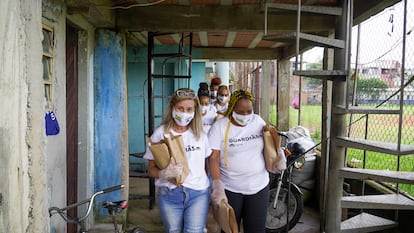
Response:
column 382, row 68
column 382, row 77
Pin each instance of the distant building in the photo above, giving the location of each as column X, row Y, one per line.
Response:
column 387, row 70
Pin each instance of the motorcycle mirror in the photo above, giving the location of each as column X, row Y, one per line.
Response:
column 299, row 162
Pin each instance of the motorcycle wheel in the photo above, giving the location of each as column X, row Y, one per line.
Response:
column 276, row 217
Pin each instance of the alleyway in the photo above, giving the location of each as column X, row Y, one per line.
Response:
column 140, row 215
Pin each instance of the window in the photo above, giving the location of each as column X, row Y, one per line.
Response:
column 47, row 60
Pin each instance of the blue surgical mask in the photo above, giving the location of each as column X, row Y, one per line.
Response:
column 182, row 118
column 242, row 120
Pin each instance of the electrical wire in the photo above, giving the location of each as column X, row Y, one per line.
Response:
column 394, row 46
column 130, row 6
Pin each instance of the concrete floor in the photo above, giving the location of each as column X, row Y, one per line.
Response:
column 140, row 215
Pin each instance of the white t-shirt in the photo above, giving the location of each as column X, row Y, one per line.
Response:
column 196, row 151
column 209, row 118
column 220, row 108
column 246, row 172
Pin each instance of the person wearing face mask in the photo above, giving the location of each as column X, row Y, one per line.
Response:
column 208, row 111
column 222, row 99
column 214, row 85
column 183, row 208
column 236, row 164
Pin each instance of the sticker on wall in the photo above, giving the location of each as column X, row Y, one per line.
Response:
column 52, row 125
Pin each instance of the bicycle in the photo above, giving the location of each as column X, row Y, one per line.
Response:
column 113, row 208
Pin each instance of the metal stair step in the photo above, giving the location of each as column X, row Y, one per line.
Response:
column 385, row 201
column 327, row 10
column 363, row 110
column 377, row 175
column 365, row 222
column 316, row 40
column 322, row 74
column 376, row 146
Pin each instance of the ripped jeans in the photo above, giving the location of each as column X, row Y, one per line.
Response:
column 183, row 209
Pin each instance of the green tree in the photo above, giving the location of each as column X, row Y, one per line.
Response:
column 369, row 87
column 314, row 81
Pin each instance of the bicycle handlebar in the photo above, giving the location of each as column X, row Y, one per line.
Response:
column 60, row 211
column 113, row 188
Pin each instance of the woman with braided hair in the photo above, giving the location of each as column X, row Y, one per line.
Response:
column 237, row 165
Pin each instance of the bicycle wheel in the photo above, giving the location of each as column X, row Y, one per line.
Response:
column 276, row 219
column 137, row 230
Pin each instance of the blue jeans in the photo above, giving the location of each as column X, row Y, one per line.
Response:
column 183, row 209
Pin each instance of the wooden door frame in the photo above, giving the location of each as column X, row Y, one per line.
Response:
column 71, row 121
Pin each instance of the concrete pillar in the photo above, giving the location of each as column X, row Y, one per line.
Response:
column 111, row 131
column 222, row 71
column 283, row 101
column 265, row 88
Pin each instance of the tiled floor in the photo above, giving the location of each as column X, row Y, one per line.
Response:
column 140, row 215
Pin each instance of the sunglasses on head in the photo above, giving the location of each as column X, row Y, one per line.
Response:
column 186, row 93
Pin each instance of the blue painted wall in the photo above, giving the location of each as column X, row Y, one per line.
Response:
column 198, row 75
column 110, row 100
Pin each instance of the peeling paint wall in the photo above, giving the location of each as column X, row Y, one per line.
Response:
column 33, row 165
column 53, row 16
column 23, row 196
column 111, row 134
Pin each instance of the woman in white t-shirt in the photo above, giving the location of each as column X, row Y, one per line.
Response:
column 208, row 111
column 237, row 165
column 222, row 102
column 183, row 208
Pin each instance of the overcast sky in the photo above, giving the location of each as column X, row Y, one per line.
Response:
column 381, row 38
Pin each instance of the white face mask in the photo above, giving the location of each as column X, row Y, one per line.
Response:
column 242, row 119
column 182, row 118
column 204, row 109
column 222, row 98
column 213, row 93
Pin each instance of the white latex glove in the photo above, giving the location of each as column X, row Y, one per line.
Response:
column 280, row 163
column 171, row 171
column 218, row 194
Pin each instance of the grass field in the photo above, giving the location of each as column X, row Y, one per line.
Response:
column 381, row 128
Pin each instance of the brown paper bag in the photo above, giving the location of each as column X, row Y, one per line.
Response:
column 178, row 155
column 225, row 217
column 271, row 146
column 160, row 152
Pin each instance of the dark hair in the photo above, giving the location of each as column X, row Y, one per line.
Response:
column 203, row 85
column 203, row 90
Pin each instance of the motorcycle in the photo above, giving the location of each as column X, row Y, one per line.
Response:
column 285, row 198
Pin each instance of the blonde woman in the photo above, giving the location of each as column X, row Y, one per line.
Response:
column 222, row 103
column 183, row 208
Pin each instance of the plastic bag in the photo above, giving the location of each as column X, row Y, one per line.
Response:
column 295, row 102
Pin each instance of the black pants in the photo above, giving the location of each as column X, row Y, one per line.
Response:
column 251, row 209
